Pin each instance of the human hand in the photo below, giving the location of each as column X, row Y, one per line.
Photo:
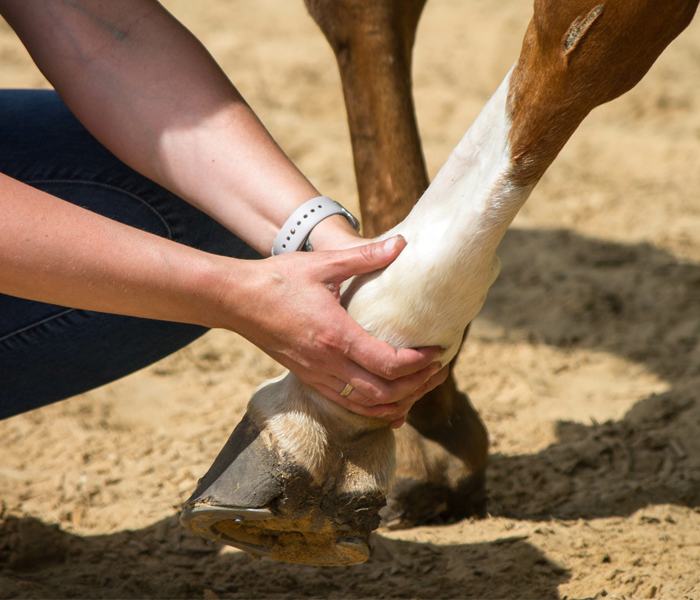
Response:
column 289, row 306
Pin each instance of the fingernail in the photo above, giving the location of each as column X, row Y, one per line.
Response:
column 386, row 414
column 394, row 242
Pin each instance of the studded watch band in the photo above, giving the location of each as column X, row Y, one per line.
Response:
column 295, row 232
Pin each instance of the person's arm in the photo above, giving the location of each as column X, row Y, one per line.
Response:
column 149, row 91
column 54, row 251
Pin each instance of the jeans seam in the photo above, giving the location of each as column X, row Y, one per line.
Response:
column 33, row 325
column 109, row 187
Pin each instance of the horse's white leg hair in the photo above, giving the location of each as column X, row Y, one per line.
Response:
column 302, row 479
column 426, row 297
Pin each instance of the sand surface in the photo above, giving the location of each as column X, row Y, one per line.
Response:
column 585, row 362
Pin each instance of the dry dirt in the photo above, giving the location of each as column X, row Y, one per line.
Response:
column 585, row 362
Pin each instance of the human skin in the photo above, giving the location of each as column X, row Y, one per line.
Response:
column 150, row 92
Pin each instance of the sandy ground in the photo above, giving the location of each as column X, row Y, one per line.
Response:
column 585, row 362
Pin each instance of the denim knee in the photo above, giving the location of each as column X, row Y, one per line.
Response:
column 50, row 352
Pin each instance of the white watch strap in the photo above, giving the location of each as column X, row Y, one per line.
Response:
column 297, row 228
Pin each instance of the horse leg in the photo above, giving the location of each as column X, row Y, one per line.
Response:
column 442, row 449
column 302, row 479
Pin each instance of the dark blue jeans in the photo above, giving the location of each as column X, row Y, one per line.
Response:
column 48, row 352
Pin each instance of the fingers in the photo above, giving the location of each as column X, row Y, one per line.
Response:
column 394, row 412
column 386, row 362
column 371, row 390
column 405, row 405
column 438, row 379
column 327, row 349
column 378, row 411
column 382, row 359
column 364, row 259
column 406, row 370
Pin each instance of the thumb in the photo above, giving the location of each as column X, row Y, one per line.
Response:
column 367, row 258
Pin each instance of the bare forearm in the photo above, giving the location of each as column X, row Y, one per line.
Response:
column 154, row 97
column 53, row 251
column 151, row 93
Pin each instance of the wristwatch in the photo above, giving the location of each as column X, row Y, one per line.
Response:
column 294, row 234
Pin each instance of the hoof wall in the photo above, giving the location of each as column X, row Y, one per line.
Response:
column 252, row 498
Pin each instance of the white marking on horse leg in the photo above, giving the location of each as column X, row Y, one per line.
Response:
column 439, row 282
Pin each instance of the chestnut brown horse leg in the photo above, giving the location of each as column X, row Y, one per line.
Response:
column 442, row 450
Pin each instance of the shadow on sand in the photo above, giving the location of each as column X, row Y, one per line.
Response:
column 163, row 561
column 639, row 303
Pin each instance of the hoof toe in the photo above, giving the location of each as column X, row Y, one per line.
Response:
column 212, row 523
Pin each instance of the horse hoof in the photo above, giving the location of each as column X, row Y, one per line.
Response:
column 413, row 503
column 441, row 463
column 260, row 497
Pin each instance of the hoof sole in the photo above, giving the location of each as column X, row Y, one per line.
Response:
column 314, row 538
